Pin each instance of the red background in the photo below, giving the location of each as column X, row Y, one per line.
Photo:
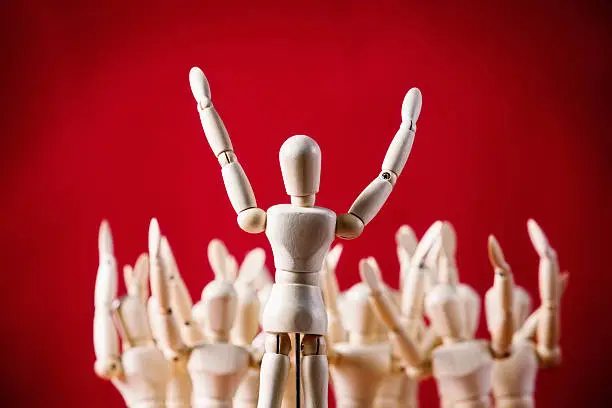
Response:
column 98, row 122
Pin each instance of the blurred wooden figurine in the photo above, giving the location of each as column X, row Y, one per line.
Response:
column 359, row 355
column 300, row 235
column 146, row 375
column 246, row 321
column 462, row 367
column 364, row 367
column 468, row 297
column 399, row 388
column 215, row 363
column 514, row 377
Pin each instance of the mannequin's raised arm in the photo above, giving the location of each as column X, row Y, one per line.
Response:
column 372, row 198
column 106, row 341
column 499, row 302
column 250, row 218
column 548, row 327
column 407, row 349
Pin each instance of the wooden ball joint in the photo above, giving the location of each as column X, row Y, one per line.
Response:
column 300, row 235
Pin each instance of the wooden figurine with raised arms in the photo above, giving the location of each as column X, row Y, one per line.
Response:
column 215, row 365
column 167, row 360
column 462, row 367
column 399, row 389
column 300, row 235
column 235, row 286
column 365, row 369
column 141, row 372
column 361, row 358
column 514, row 377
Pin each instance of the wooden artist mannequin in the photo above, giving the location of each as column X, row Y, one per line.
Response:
column 468, row 297
column 300, row 235
column 462, row 367
column 142, row 371
column 364, row 365
column 399, row 389
column 238, row 284
column 514, row 377
column 174, row 363
column 216, row 364
column 360, row 357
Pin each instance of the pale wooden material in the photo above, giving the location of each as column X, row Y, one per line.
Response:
column 300, row 234
column 548, row 332
column 329, row 287
column 514, row 377
column 216, row 311
column 462, row 368
column 229, row 313
column 370, row 201
column 527, row 330
column 290, row 394
column 406, row 347
column 315, row 374
column 166, row 361
column 463, row 373
column 469, row 299
column 413, row 290
column 187, row 325
column 248, row 391
column 216, row 367
column 362, row 357
column 246, row 325
column 163, row 313
column 140, row 373
column 398, row 389
column 499, row 302
column 406, row 242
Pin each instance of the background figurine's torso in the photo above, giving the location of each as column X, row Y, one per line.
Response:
column 216, row 371
column 514, row 377
column 463, row 373
column 357, row 374
column 397, row 390
column 145, row 375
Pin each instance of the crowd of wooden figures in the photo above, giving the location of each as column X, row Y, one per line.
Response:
column 379, row 346
column 372, row 343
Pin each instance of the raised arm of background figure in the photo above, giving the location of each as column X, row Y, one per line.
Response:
column 409, row 351
column 413, row 290
column 527, row 331
column 370, row 201
column 499, row 303
column 250, row 218
column 106, row 340
column 406, row 244
column 331, row 291
column 548, row 332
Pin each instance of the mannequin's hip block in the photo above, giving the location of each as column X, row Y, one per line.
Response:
column 295, row 308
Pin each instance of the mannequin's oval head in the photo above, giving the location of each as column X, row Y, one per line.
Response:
column 300, row 162
column 358, row 316
column 219, row 309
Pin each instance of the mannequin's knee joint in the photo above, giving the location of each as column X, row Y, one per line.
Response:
column 313, row 345
column 278, row 343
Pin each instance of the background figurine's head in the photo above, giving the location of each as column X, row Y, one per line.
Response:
column 300, row 161
column 358, row 316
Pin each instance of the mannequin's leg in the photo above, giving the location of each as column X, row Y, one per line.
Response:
column 314, row 371
column 274, row 370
